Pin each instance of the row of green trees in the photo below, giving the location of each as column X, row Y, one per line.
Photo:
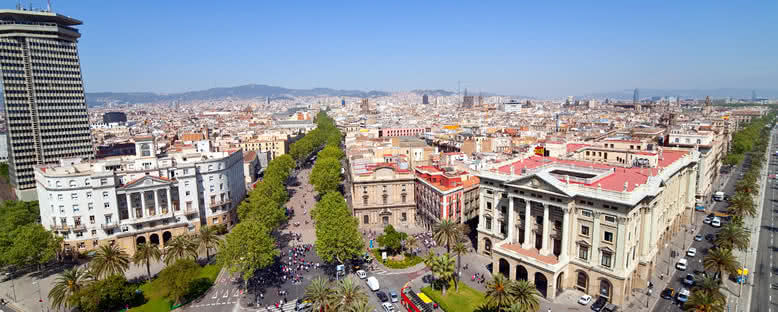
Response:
column 23, row 240
column 102, row 285
column 747, row 143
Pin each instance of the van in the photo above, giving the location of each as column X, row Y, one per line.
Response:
column 372, row 283
column 716, row 222
column 681, row 265
column 610, row 308
column 718, row 196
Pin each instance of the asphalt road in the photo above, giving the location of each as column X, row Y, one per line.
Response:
column 694, row 263
column 761, row 295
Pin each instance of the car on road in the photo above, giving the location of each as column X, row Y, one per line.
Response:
column 691, row 252
column 710, row 237
column 682, row 263
column 585, row 299
column 698, row 237
column 382, row 296
column 667, row 293
column 689, row 280
column 716, row 222
column 393, row 296
column 707, row 220
column 388, row 307
column 599, row 304
column 683, row 295
column 362, row 274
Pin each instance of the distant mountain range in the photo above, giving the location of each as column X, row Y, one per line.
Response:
column 438, row 92
column 738, row 93
column 240, row 92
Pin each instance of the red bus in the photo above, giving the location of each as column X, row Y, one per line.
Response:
column 412, row 302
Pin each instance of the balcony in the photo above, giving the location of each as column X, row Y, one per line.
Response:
column 218, row 203
column 79, row 228
column 110, row 225
column 61, row 227
column 191, row 212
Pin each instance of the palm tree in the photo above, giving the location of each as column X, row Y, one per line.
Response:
column 700, row 302
column 497, row 291
column 742, row 205
column 145, row 254
column 319, row 294
column 733, row 236
column 411, row 243
column 67, row 284
column 180, row 247
column 430, row 258
column 348, row 294
column 709, row 286
column 459, row 250
column 206, row 239
column 446, row 233
column 443, row 270
column 525, row 296
column 487, row 308
column 110, row 260
column 720, row 260
column 362, row 306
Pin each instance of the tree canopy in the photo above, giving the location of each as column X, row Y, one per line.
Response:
column 177, row 278
column 337, row 235
column 391, row 239
column 22, row 240
column 248, row 247
column 110, row 294
column 325, row 175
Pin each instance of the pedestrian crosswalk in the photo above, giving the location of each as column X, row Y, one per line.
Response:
column 287, row 307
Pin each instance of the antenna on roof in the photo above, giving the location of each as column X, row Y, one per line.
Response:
column 48, row 5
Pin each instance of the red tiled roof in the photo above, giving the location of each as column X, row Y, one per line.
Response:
column 613, row 182
column 249, row 156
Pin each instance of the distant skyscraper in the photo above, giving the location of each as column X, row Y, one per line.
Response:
column 753, row 95
column 468, row 101
column 343, row 103
column 43, row 92
column 425, row 99
column 636, row 96
column 365, row 106
column 267, row 100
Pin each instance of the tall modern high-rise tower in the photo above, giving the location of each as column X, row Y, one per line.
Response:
column 43, row 93
column 636, row 96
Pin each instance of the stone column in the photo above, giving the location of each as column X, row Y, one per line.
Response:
column 619, row 258
column 527, row 225
column 130, row 210
column 596, row 238
column 496, row 209
column 481, row 210
column 511, row 220
column 545, row 247
column 645, row 241
column 566, row 230
column 142, row 203
column 169, row 201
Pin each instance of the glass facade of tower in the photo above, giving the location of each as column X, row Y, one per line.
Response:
column 43, row 92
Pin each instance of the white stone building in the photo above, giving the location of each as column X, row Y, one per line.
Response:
column 146, row 197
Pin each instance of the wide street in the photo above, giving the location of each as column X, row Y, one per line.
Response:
column 765, row 269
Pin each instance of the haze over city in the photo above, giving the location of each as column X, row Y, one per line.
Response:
column 506, row 47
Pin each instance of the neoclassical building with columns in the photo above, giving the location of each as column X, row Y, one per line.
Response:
column 572, row 224
column 143, row 198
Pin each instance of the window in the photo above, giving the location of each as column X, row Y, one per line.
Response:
column 80, row 234
column 105, row 194
column 584, row 230
column 608, row 236
column 75, row 208
column 88, row 194
column 677, row 140
column 606, row 259
column 59, row 184
column 403, row 198
column 699, row 141
column 364, row 200
column 188, row 205
column 91, row 219
column 558, row 225
column 221, row 186
column 94, row 233
column 404, row 217
column 488, row 206
column 610, row 219
column 60, row 197
column 366, row 219
column 186, row 183
column 488, row 223
column 212, row 188
column 583, row 253
column 539, row 220
column 106, row 205
column 86, row 181
column 103, row 181
column 61, row 209
column 210, row 179
column 90, row 206
column 72, row 183
column 187, row 193
column 586, row 213
column 74, row 196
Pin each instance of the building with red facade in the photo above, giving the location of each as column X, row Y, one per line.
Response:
column 445, row 194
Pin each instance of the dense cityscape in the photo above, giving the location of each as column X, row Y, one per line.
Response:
column 263, row 198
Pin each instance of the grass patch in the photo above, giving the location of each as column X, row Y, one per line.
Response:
column 465, row 300
column 410, row 260
column 156, row 296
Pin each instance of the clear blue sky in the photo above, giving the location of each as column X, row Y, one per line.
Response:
column 513, row 47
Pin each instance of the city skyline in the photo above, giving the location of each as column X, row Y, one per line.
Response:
column 507, row 49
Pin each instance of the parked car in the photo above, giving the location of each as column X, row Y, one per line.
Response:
column 707, row 220
column 683, row 295
column 393, row 296
column 599, row 303
column 382, row 296
column 689, row 280
column 362, row 274
column 667, row 293
column 698, row 237
column 716, row 222
column 388, row 307
column 691, row 252
column 585, row 299
column 682, row 263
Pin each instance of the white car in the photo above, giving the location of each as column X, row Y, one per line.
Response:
column 361, row 274
column 691, row 252
column 716, row 222
column 585, row 299
column 388, row 307
column 706, row 220
column 681, row 265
